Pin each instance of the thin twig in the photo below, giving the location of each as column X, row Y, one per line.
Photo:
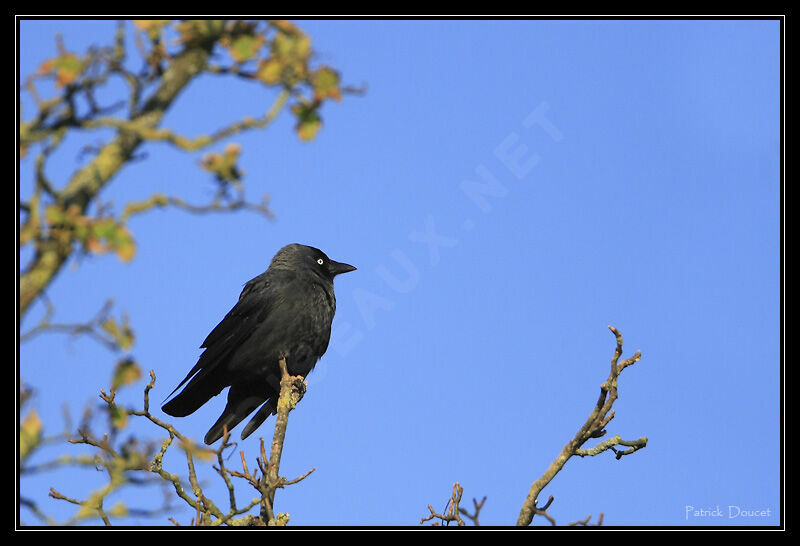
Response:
column 594, row 427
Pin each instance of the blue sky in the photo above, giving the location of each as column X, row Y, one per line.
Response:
column 633, row 172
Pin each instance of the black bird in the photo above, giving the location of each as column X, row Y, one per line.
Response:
column 284, row 312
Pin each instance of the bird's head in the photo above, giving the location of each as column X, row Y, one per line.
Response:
column 307, row 258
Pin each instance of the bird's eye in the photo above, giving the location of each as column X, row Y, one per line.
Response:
column 319, row 261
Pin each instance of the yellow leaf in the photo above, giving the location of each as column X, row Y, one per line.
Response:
column 308, row 120
column 307, row 130
column 30, row 434
column 200, row 453
column 223, row 165
column 94, row 245
column 66, row 67
column 233, row 150
column 119, row 510
column 125, row 247
column 125, row 372
column 119, row 417
column 285, row 26
column 153, row 27
column 269, row 71
column 110, row 326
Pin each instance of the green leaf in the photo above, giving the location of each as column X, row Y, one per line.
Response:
column 104, row 228
column 245, row 47
column 326, row 84
column 294, row 46
column 123, row 244
column 308, row 121
column 291, row 51
column 54, row 214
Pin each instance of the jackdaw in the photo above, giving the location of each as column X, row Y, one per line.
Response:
column 284, row 312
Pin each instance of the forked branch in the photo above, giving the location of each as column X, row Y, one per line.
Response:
column 594, row 427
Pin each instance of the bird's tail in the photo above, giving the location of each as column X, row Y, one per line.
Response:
column 270, row 407
column 242, row 400
column 200, row 390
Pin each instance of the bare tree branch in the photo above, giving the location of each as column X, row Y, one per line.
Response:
column 594, row 427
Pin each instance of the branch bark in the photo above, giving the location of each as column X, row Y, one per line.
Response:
column 51, row 254
column 594, row 427
column 292, row 390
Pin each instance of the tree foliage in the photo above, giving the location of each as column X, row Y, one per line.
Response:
column 64, row 219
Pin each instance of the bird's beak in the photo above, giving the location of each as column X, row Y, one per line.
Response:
column 337, row 268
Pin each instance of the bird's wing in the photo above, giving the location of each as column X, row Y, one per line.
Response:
column 239, row 324
column 298, row 323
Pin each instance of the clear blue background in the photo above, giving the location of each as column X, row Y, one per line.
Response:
column 649, row 201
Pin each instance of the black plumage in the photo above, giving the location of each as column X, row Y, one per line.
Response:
column 284, row 312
